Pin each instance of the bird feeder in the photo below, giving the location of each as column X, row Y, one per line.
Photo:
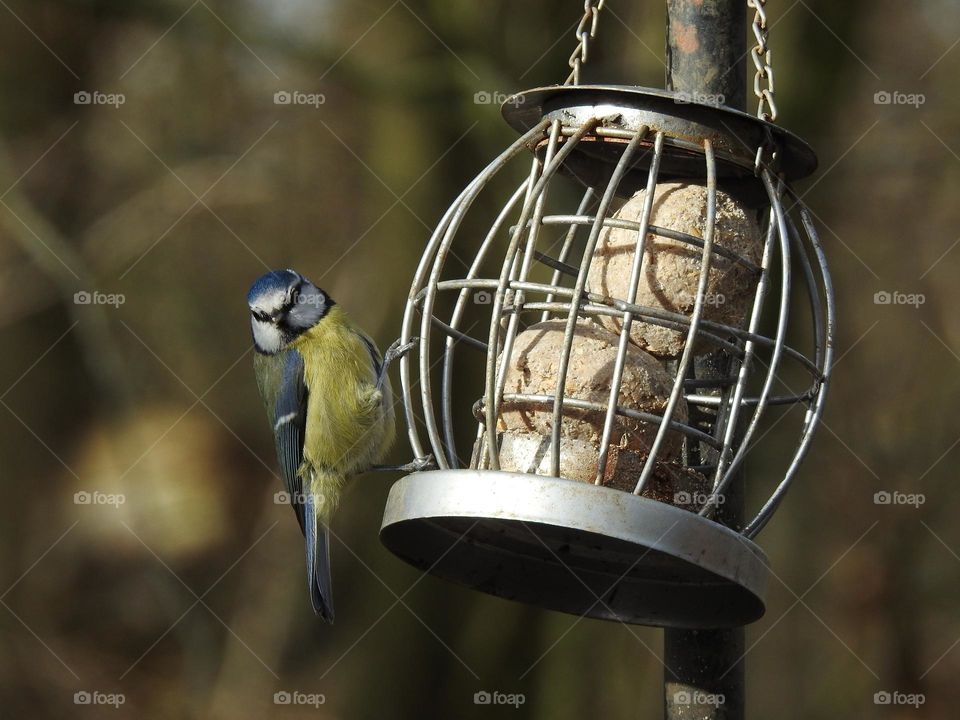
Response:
column 638, row 296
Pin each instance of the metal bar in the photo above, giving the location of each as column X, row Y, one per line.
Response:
column 498, row 300
column 707, row 50
column 669, row 233
column 452, row 330
column 437, row 250
column 518, row 295
column 703, row 680
column 688, row 349
column 639, row 313
column 783, row 234
column 602, row 305
column 571, row 235
column 715, row 401
column 813, row 290
column 706, row 56
column 638, row 254
column 816, row 411
column 406, row 331
column 735, row 404
column 577, row 404
column 823, row 342
column 508, row 270
column 608, row 194
column 720, row 382
column 616, row 133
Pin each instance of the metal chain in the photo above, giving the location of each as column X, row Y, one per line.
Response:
column 763, row 60
column 586, row 31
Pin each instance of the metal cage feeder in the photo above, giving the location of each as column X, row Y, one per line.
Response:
column 584, row 517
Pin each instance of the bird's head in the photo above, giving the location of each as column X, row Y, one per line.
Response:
column 284, row 304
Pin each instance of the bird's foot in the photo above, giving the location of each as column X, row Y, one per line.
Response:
column 394, row 352
column 416, row 465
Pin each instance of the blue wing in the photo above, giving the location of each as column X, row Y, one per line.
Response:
column 375, row 358
column 289, row 423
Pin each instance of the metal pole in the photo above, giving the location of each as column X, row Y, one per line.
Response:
column 706, row 58
column 707, row 49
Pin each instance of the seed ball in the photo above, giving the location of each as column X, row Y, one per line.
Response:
column 670, row 271
column 526, row 427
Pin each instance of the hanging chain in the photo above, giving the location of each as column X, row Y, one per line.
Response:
column 586, row 31
column 763, row 60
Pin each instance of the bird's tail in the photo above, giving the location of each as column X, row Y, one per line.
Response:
column 318, row 559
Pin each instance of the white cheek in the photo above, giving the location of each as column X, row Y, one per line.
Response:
column 266, row 336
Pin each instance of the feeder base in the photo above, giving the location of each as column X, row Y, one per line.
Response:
column 576, row 548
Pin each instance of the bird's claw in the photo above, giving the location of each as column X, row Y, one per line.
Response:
column 423, row 463
column 396, row 350
column 416, row 465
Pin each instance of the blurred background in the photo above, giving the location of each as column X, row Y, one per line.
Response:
column 147, row 176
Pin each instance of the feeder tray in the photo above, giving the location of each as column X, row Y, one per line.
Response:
column 576, row 548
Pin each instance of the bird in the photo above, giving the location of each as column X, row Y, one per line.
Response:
column 328, row 398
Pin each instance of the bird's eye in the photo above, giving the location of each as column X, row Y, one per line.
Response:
column 260, row 315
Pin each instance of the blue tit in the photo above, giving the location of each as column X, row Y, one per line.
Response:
column 328, row 400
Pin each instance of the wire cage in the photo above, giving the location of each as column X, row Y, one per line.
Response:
column 632, row 300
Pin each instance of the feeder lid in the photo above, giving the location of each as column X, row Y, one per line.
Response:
column 736, row 135
column 575, row 547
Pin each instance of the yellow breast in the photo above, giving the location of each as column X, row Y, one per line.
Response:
column 349, row 427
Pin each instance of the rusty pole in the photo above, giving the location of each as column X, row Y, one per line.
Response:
column 707, row 60
column 707, row 49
